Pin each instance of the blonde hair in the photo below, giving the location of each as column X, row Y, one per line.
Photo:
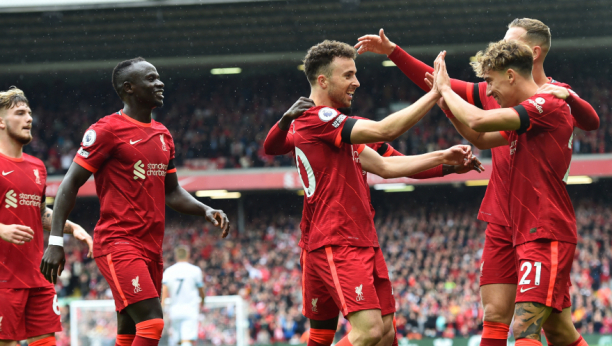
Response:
column 503, row 55
column 538, row 33
column 181, row 253
column 12, row 97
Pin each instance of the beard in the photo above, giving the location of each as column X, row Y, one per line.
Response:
column 22, row 139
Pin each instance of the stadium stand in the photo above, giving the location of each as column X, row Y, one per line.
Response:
column 221, row 121
column 431, row 242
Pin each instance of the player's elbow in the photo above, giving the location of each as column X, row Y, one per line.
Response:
column 477, row 123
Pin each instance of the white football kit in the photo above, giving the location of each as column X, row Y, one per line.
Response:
column 183, row 281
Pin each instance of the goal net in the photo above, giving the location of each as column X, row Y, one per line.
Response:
column 223, row 322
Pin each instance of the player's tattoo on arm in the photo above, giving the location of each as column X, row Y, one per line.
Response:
column 47, row 217
column 528, row 320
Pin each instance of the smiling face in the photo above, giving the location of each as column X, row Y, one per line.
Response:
column 499, row 86
column 17, row 122
column 342, row 82
column 145, row 85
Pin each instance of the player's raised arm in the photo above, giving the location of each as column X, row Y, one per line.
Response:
column 391, row 127
column 183, row 202
column 53, row 260
column 279, row 140
column 412, row 67
column 585, row 115
column 504, row 119
column 402, row 166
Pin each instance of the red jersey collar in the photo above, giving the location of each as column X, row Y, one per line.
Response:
column 134, row 120
column 14, row 159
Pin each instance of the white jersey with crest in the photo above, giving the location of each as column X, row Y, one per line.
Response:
column 183, row 281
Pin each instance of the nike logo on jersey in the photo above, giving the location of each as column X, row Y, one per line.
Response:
column 525, row 290
column 7, row 173
column 134, row 142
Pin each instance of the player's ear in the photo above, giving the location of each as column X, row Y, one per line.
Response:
column 322, row 81
column 511, row 76
column 127, row 88
column 537, row 51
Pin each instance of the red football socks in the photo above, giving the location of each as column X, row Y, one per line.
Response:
column 344, row 342
column 527, row 342
column 148, row 332
column 124, row 339
column 321, row 337
column 48, row 341
column 494, row 334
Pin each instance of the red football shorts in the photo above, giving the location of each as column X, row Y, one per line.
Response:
column 28, row 312
column 498, row 259
column 544, row 273
column 132, row 278
column 345, row 279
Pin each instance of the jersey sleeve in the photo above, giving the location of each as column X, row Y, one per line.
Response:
column 96, row 147
column 278, row 142
column 332, row 127
column 584, row 114
column 199, row 279
column 171, row 166
column 537, row 113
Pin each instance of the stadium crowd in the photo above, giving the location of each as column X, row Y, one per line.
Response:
column 221, row 121
column 433, row 251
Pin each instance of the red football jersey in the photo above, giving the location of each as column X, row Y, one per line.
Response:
column 494, row 207
column 23, row 184
column 336, row 204
column 129, row 160
column 540, row 155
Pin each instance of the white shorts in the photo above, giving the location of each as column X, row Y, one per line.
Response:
column 183, row 329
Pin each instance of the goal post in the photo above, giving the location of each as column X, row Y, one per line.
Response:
column 94, row 322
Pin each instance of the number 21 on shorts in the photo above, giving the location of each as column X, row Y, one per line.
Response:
column 527, row 267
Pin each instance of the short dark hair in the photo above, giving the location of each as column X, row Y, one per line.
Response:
column 117, row 72
column 12, row 97
column 502, row 55
column 319, row 58
column 538, row 33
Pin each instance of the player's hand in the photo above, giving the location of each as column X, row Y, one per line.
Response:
column 376, row 44
column 52, row 263
column 429, row 80
column 297, row 109
column 554, row 90
column 458, row 155
column 80, row 234
column 474, row 165
column 218, row 218
column 16, row 234
column 441, row 78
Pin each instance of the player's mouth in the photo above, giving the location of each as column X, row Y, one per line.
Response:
column 350, row 94
column 159, row 93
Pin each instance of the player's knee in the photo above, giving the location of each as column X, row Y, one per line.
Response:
column 497, row 312
column 150, row 329
column 371, row 334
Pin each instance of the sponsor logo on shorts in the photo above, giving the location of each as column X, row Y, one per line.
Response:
column 523, row 290
column 314, row 304
column 359, row 292
column 136, row 285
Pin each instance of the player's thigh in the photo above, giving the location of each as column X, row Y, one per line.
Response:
column 498, row 302
column 498, row 257
column 145, row 310
column 559, row 328
column 318, row 303
column 42, row 312
column 8, row 342
column 188, row 329
column 128, row 277
column 12, row 306
column 349, row 276
column 125, row 324
column 382, row 284
column 544, row 272
column 367, row 322
column 330, row 324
